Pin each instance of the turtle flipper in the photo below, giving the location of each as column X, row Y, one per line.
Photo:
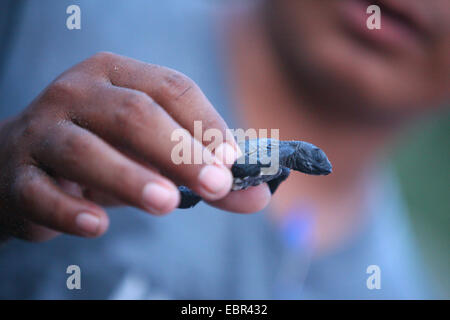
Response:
column 245, row 170
column 275, row 183
column 188, row 198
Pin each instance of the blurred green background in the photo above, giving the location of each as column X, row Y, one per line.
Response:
column 422, row 164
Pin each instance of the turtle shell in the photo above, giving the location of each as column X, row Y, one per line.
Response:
column 254, row 166
column 251, row 181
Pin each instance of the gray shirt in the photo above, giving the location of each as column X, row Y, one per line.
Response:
column 202, row 253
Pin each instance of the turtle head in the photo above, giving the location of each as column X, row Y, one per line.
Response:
column 309, row 159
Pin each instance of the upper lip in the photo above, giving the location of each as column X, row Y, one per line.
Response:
column 406, row 13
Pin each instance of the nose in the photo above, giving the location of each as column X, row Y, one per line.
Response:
column 322, row 161
column 318, row 154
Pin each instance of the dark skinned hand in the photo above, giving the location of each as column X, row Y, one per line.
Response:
column 100, row 135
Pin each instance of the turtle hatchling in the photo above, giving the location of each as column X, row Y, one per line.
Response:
column 270, row 161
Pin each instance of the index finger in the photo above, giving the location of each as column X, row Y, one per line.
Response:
column 175, row 92
column 186, row 103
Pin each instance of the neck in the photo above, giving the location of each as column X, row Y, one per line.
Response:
column 270, row 103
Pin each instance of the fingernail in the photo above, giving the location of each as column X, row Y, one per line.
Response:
column 236, row 148
column 238, row 151
column 88, row 223
column 231, row 140
column 159, row 198
column 226, row 153
column 215, row 180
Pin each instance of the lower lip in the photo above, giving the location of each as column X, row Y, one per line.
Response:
column 393, row 33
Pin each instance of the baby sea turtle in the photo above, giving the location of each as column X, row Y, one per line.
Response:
column 268, row 160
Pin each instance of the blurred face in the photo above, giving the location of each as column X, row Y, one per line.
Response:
column 398, row 70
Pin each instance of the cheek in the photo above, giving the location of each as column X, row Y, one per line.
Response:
column 441, row 63
column 403, row 80
column 354, row 76
column 402, row 88
column 424, row 83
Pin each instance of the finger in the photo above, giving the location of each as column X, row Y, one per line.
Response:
column 37, row 233
column 42, row 202
column 245, row 201
column 16, row 226
column 101, row 198
column 96, row 196
column 178, row 94
column 131, row 120
column 80, row 156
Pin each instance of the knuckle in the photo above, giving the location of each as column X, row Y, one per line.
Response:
column 134, row 107
column 30, row 189
column 72, row 147
column 137, row 102
column 25, row 188
column 103, row 56
column 177, row 84
column 62, row 89
column 32, row 128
